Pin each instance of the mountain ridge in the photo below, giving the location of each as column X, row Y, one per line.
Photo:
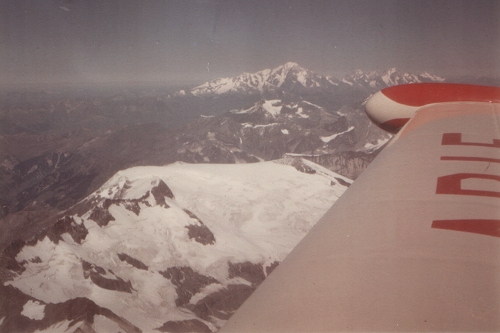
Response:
column 290, row 74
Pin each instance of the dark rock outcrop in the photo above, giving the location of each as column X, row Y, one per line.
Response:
column 8, row 256
column 68, row 225
column 299, row 165
column 187, row 282
column 101, row 216
column 223, row 303
column 184, row 326
column 132, row 261
column 342, row 182
column 270, row 268
column 199, row 232
column 347, row 163
column 253, row 273
column 131, row 205
column 161, row 191
column 96, row 275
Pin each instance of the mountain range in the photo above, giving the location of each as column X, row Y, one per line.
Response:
column 291, row 77
column 297, row 112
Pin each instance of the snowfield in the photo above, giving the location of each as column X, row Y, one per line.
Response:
column 256, row 212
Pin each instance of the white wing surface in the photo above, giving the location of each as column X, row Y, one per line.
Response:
column 413, row 245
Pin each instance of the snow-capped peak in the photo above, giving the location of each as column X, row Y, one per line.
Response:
column 432, row 77
column 387, row 78
column 260, row 81
column 289, row 67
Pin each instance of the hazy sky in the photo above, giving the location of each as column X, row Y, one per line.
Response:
column 166, row 40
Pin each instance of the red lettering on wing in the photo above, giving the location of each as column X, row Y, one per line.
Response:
column 451, row 184
column 455, row 139
column 470, row 159
column 477, row 226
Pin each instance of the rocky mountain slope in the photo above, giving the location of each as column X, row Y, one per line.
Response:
column 170, row 249
column 271, row 128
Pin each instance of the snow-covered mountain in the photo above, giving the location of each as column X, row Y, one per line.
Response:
column 269, row 79
column 291, row 77
column 171, row 249
column 391, row 77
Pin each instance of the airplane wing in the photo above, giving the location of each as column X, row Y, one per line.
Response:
column 413, row 245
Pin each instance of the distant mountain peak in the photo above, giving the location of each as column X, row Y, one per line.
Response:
column 288, row 67
column 391, row 70
column 291, row 64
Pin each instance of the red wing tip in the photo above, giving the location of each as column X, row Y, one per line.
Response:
column 420, row 94
column 394, row 125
